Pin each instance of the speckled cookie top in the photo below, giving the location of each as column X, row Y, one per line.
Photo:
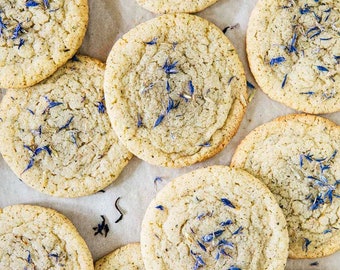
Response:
column 37, row 37
column 298, row 158
column 33, row 237
column 214, row 218
column 56, row 136
column 175, row 90
column 172, row 6
column 128, row 257
column 294, row 51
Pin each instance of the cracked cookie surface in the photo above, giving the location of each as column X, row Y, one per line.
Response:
column 37, row 37
column 298, row 158
column 214, row 218
column 57, row 137
column 34, row 237
column 293, row 49
column 175, row 90
column 128, row 257
column 174, row 6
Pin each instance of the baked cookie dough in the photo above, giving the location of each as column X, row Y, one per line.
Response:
column 214, row 218
column 56, row 136
column 173, row 6
column 34, row 237
column 297, row 157
column 128, row 257
column 37, row 37
column 175, row 90
column 294, row 52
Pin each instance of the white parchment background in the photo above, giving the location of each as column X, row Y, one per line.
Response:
column 109, row 19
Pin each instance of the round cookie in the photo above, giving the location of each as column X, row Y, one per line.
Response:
column 174, row 6
column 175, row 90
column 57, row 137
column 214, row 218
column 297, row 157
column 128, row 257
column 34, row 237
column 294, row 52
column 37, row 37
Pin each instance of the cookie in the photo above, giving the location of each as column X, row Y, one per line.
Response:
column 214, row 218
column 297, row 157
column 128, row 257
column 56, row 136
column 34, row 237
column 37, row 37
column 293, row 49
column 175, row 90
column 174, row 6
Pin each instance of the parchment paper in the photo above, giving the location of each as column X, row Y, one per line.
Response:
column 109, row 19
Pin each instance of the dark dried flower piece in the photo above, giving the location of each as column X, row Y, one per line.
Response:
column 238, row 231
column 305, row 9
column 17, row 30
column 234, row 268
column 321, row 68
column 160, row 207
column 305, row 245
column 277, row 60
column 139, row 121
column 21, row 43
column 31, row 3
column 250, row 85
column 191, row 88
column 159, row 120
column 151, row 42
column 170, row 68
column 102, row 227
column 2, row 26
column 291, row 47
column 101, row 107
column 120, row 211
column 67, row 124
column 46, row 4
column 29, row 258
column 226, row 202
column 201, row 246
column 284, row 81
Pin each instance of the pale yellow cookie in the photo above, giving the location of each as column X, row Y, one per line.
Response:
column 293, row 49
column 37, row 37
column 56, row 136
column 175, row 90
column 34, row 237
column 214, row 218
column 128, row 257
column 297, row 157
column 173, row 6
